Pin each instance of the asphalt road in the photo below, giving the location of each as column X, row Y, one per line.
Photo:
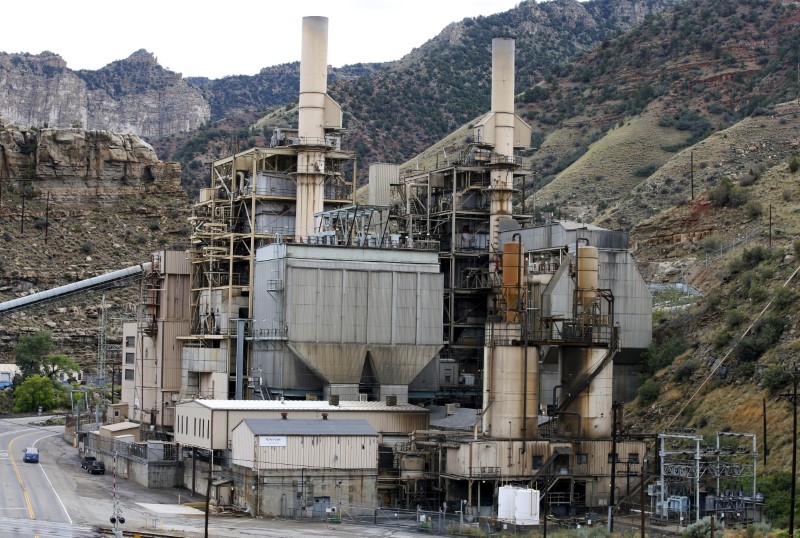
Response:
column 30, row 504
column 56, row 498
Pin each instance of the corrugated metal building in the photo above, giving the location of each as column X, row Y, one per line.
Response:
column 303, row 468
column 550, row 248
column 208, row 424
column 152, row 376
column 350, row 322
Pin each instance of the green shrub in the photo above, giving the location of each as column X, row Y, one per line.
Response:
column 726, row 194
column 775, row 378
column 660, row 354
column 765, row 333
column 754, row 209
column 645, row 171
column 710, row 243
column 685, row 370
column 794, row 164
column 649, row 391
column 784, row 298
column 734, row 318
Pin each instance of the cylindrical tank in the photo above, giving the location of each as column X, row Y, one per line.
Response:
column 588, row 263
column 503, row 416
column 512, row 261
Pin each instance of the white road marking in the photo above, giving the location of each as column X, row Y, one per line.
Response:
column 48, row 479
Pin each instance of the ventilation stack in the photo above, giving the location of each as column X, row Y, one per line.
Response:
column 318, row 112
column 502, row 174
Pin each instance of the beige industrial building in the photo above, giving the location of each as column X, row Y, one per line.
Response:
column 152, row 372
column 305, row 468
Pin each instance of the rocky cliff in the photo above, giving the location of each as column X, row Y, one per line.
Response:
column 60, row 157
column 76, row 204
column 135, row 95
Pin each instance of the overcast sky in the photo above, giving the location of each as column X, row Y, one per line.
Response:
column 229, row 37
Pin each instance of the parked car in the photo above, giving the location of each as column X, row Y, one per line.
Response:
column 96, row 467
column 31, row 455
column 86, row 461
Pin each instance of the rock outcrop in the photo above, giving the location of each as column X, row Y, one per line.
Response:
column 135, row 95
column 65, row 155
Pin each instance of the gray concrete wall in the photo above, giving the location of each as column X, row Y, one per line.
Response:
column 354, row 492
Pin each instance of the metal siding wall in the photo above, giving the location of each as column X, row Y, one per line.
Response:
column 329, row 307
column 431, row 297
column 171, row 366
column 175, row 262
column 302, row 310
column 382, row 422
column 354, row 307
column 379, row 318
column 321, row 452
column 197, row 412
column 242, row 442
column 381, row 175
column 405, row 308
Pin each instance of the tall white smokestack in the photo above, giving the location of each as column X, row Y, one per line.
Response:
column 504, row 120
column 311, row 123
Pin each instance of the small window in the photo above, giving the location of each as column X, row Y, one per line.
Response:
column 633, row 457
column 128, row 374
column 128, row 358
column 130, row 341
column 581, row 459
column 611, row 458
column 537, row 462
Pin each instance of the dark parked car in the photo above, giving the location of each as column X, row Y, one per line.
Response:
column 86, row 460
column 96, row 467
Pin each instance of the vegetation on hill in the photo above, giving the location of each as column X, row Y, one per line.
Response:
column 692, row 70
column 394, row 111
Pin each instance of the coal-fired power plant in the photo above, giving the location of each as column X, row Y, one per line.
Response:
column 468, row 348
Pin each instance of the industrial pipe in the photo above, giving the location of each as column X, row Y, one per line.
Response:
column 97, row 282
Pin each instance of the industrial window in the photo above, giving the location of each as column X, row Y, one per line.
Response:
column 130, row 341
column 195, row 427
column 537, row 462
column 128, row 374
column 611, row 458
column 128, row 358
column 633, row 457
column 581, row 459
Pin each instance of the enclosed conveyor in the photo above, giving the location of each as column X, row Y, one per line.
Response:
column 82, row 286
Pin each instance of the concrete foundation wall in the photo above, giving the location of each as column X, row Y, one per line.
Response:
column 293, row 494
column 154, row 474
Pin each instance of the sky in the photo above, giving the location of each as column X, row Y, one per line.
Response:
column 230, row 37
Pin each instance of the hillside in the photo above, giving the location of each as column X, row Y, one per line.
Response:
column 73, row 205
column 664, row 87
column 714, row 363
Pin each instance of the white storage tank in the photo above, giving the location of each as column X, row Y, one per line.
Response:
column 505, row 503
column 526, row 507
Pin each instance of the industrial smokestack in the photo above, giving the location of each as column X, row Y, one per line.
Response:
column 311, row 123
column 504, row 120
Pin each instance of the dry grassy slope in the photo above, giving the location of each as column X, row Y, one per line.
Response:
column 734, row 403
column 608, row 170
column 756, row 142
column 89, row 235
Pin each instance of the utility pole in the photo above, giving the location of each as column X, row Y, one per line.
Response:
column 793, row 398
column 613, row 466
column 47, row 218
column 691, row 171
